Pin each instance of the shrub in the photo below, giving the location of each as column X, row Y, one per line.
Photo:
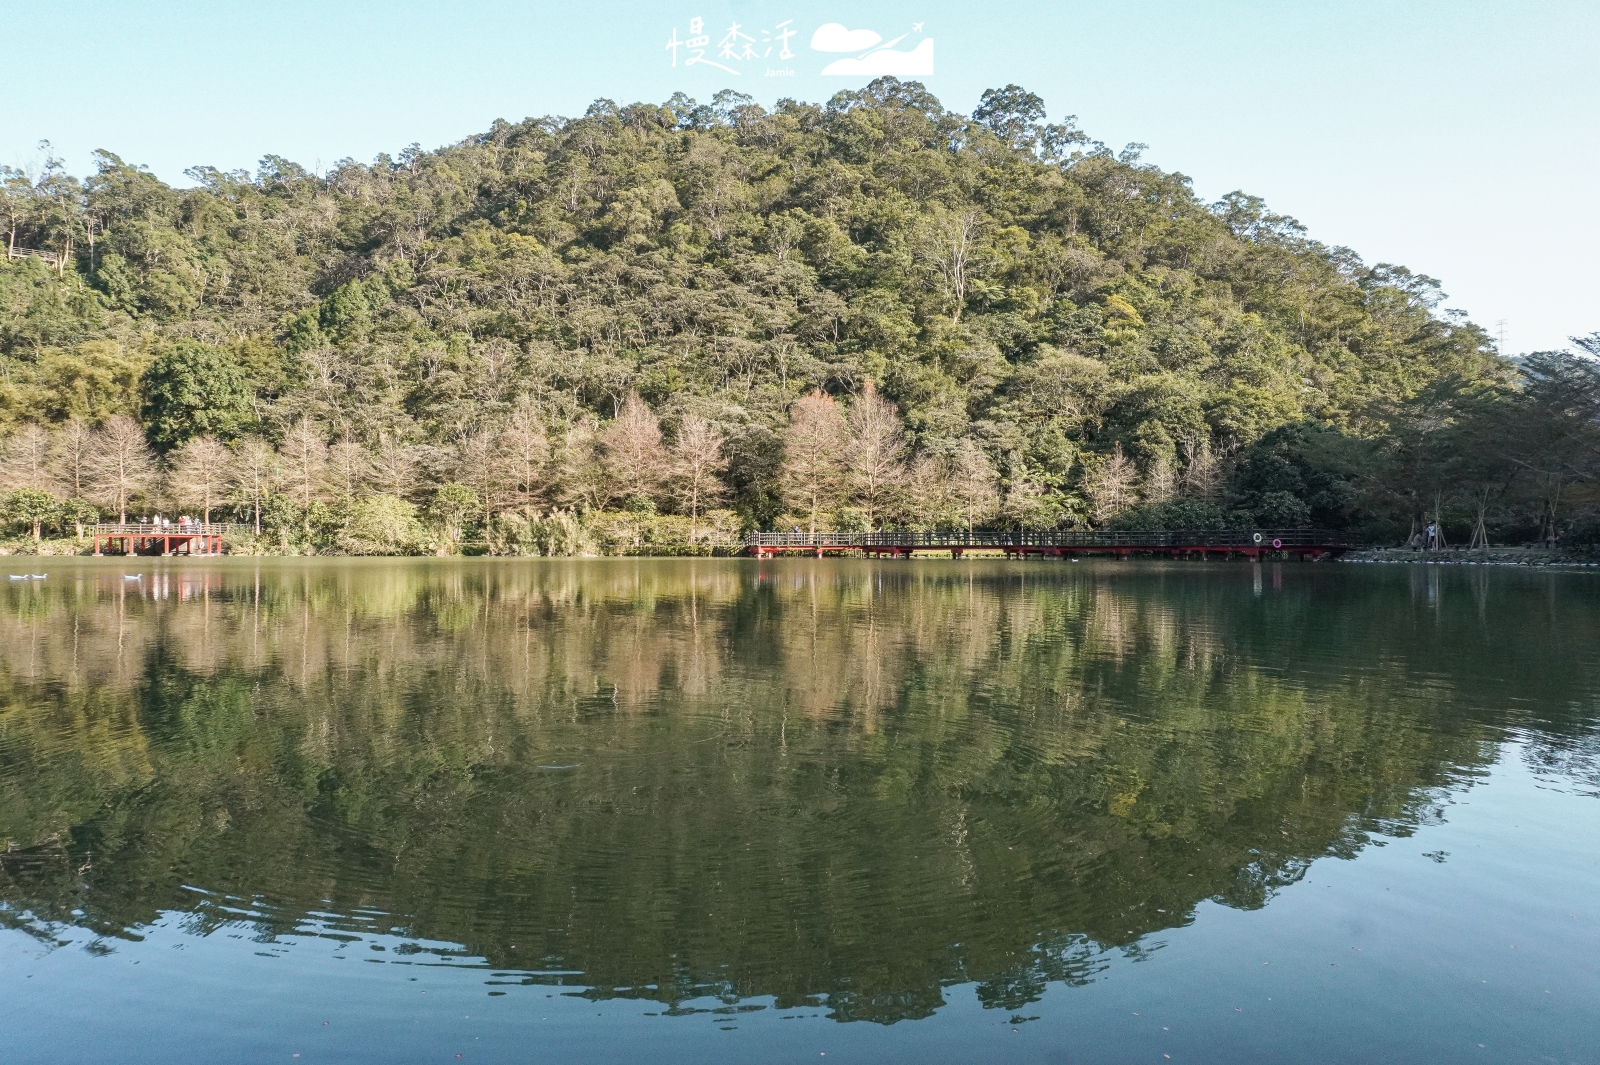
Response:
column 383, row 525
column 29, row 508
column 1175, row 514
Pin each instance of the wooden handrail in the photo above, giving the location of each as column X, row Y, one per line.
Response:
column 23, row 253
column 194, row 528
column 1003, row 538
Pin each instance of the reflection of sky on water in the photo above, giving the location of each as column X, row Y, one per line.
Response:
column 1479, row 929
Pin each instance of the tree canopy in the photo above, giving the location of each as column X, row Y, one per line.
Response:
column 1016, row 293
column 192, row 390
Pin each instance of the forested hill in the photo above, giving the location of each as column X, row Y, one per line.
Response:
column 1061, row 332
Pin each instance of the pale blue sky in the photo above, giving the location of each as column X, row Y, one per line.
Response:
column 1461, row 139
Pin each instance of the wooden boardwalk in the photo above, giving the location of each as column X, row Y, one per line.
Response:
column 144, row 538
column 1171, row 543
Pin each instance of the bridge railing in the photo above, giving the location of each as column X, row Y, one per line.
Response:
column 802, row 539
column 33, row 253
column 1001, row 539
column 194, row 528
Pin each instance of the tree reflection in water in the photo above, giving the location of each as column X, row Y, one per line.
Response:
column 844, row 783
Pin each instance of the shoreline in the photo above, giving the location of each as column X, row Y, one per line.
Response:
column 1566, row 558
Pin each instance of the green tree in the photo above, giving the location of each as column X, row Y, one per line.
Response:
column 31, row 507
column 1302, row 474
column 78, row 512
column 1012, row 113
column 382, row 525
column 452, row 506
column 193, row 390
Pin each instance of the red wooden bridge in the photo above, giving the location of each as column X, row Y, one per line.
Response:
column 1173, row 543
column 148, row 538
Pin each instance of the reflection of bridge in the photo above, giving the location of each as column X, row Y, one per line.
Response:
column 145, row 538
column 1176, row 543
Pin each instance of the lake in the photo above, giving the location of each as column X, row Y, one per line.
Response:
column 728, row 811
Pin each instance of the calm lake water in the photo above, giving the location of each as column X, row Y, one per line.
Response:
column 728, row 811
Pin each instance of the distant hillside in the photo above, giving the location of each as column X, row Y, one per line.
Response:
column 1006, row 321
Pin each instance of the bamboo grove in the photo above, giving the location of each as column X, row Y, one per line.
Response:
column 650, row 327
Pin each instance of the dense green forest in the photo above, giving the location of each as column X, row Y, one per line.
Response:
column 652, row 326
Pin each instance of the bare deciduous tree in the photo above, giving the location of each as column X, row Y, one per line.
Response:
column 254, row 472
column 396, row 466
column 926, row 501
column 347, row 468
column 1110, row 489
column 973, row 484
column 199, row 473
column 71, row 450
column 697, row 463
column 1159, row 483
column 1027, row 504
column 524, row 449
column 949, row 245
column 121, row 464
column 635, row 461
column 481, row 467
column 303, row 463
column 25, row 459
column 876, row 453
column 1200, row 472
column 814, row 448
